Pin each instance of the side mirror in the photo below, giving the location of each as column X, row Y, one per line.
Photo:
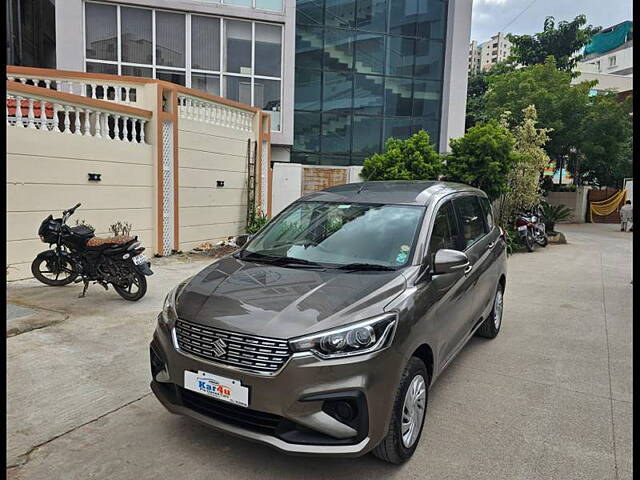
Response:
column 449, row 261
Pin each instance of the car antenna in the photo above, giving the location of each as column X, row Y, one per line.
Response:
column 364, row 184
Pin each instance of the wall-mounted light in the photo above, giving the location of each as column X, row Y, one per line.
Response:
column 95, row 177
column 219, row 183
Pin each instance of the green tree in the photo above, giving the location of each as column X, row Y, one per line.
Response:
column 562, row 41
column 605, row 153
column 412, row 159
column 477, row 86
column 482, row 158
column 560, row 106
column 531, row 159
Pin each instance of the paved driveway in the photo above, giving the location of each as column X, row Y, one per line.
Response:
column 550, row 398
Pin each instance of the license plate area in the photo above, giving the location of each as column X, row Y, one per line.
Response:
column 215, row 386
column 522, row 228
column 139, row 259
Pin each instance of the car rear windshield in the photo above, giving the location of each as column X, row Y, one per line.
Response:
column 339, row 234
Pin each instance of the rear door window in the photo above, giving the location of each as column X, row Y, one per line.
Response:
column 471, row 219
column 488, row 214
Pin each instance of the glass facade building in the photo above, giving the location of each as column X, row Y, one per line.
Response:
column 366, row 70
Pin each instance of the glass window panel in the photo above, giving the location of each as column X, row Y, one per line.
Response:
column 238, row 89
column 357, row 159
column 170, row 38
column 336, row 133
column 428, row 61
column 308, row 89
column 309, row 12
column 102, row 68
column 305, row 158
column 238, row 46
column 135, row 26
column 205, row 43
column 368, row 94
column 242, row 3
column 397, row 128
column 369, row 53
column 402, row 16
column 306, row 131
column 336, row 92
column 101, row 31
column 426, row 99
column 367, row 133
column 268, row 50
column 400, row 56
column 397, row 92
column 266, row 95
column 432, row 16
column 309, row 46
column 430, row 126
column 137, row 71
column 340, row 13
column 173, row 77
column 275, row 5
column 206, row 82
column 371, row 15
column 338, row 47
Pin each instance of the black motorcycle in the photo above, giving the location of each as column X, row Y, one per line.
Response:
column 531, row 228
column 80, row 256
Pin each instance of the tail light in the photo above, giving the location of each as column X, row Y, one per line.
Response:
column 521, row 222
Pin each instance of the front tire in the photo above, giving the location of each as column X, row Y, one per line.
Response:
column 407, row 417
column 529, row 242
column 55, row 272
column 491, row 325
column 134, row 290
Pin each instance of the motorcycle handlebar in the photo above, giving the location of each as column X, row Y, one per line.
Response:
column 71, row 210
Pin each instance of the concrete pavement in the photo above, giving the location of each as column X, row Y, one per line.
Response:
column 549, row 398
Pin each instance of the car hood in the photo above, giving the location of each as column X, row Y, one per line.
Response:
column 282, row 302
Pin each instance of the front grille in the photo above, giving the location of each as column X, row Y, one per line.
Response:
column 260, row 354
column 226, row 412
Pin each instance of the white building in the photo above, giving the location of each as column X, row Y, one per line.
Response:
column 485, row 55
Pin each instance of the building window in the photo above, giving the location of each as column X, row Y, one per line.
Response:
column 366, row 70
column 239, row 60
column 612, row 61
column 31, row 33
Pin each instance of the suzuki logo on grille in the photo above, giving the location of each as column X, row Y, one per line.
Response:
column 219, row 347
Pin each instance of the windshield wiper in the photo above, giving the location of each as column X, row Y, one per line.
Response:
column 280, row 261
column 365, row 266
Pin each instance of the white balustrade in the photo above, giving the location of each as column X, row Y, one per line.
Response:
column 76, row 119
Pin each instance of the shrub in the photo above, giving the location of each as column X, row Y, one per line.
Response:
column 552, row 214
column 412, row 159
column 120, row 228
column 256, row 221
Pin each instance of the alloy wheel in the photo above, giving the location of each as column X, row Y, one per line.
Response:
column 497, row 309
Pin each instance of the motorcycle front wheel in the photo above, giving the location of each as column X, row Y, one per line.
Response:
column 529, row 242
column 132, row 290
column 541, row 239
column 56, row 272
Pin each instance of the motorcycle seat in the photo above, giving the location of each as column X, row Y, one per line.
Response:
column 95, row 242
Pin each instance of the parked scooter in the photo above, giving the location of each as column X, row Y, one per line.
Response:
column 80, row 256
column 531, row 228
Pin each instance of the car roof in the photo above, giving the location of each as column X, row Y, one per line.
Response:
column 397, row 192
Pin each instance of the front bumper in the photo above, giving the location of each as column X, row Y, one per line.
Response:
column 297, row 394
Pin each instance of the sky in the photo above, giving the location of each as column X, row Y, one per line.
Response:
column 492, row 16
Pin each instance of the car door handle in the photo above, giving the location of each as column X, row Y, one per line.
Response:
column 491, row 245
column 468, row 269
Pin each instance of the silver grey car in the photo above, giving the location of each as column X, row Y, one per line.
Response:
column 324, row 332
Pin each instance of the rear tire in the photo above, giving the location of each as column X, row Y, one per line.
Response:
column 491, row 325
column 393, row 448
column 134, row 291
column 60, row 267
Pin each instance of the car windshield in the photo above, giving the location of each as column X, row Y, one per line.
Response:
column 347, row 235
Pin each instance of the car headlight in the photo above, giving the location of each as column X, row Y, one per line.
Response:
column 355, row 339
column 169, row 315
